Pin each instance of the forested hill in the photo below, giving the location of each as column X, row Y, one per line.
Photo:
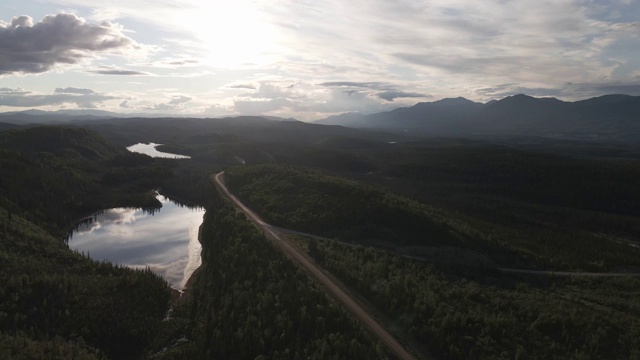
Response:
column 605, row 118
column 67, row 142
column 55, row 303
column 54, row 175
column 309, row 201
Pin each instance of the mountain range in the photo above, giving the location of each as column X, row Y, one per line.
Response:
column 609, row 117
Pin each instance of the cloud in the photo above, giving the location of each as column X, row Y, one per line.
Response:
column 258, row 107
column 389, row 91
column 177, row 100
column 109, row 70
column 504, row 90
column 367, row 85
column 570, row 91
column 241, row 86
column 83, row 98
column 217, row 110
column 394, row 94
column 72, row 90
column 12, row 91
column 56, row 41
column 304, row 100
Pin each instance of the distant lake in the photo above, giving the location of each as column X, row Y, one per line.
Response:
column 150, row 149
column 165, row 240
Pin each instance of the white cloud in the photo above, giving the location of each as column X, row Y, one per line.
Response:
column 57, row 41
column 82, row 98
column 310, row 59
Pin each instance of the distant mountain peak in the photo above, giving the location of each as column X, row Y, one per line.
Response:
column 528, row 98
column 610, row 116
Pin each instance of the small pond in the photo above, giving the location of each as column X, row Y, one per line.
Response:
column 165, row 240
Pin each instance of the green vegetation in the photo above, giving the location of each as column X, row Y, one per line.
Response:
column 461, row 207
column 55, row 175
column 485, row 315
column 467, row 198
column 250, row 302
column 55, row 303
column 49, row 293
column 309, row 201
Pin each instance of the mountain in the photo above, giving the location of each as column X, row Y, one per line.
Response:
column 609, row 117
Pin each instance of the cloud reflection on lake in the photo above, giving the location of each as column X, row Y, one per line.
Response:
column 150, row 149
column 166, row 241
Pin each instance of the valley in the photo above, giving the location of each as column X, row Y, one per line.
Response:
column 415, row 229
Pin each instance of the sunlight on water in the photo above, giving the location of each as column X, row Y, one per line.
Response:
column 165, row 240
column 150, row 149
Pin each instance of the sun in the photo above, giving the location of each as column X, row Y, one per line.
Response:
column 232, row 33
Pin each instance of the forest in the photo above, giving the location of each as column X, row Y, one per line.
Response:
column 416, row 229
column 250, row 302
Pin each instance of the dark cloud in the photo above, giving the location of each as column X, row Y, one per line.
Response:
column 62, row 39
column 627, row 89
column 368, row 85
column 119, row 72
column 72, row 90
column 567, row 91
column 12, row 91
column 388, row 92
column 182, row 62
column 15, row 98
column 394, row 94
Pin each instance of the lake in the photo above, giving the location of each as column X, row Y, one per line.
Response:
column 150, row 149
column 165, row 240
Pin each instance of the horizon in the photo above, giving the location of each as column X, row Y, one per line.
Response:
column 201, row 116
column 212, row 59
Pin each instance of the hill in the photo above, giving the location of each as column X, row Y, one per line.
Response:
column 53, row 175
column 55, row 303
column 61, row 141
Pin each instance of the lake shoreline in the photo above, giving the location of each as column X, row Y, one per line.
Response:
column 167, row 241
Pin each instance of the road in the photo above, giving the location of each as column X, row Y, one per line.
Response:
column 395, row 347
column 566, row 273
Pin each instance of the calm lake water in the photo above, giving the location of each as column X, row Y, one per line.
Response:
column 150, row 149
column 166, row 240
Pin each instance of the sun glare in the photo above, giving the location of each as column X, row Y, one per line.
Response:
column 232, row 34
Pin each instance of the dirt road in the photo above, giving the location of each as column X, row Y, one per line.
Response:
column 395, row 347
column 566, row 273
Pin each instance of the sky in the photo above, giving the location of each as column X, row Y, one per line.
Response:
column 309, row 59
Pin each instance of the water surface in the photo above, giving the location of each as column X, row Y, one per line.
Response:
column 150, row 149
column 165, row 240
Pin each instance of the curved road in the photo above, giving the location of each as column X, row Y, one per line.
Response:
column 395, row 347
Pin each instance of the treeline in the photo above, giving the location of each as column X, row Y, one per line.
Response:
column 250, row 302
column 485, row 315
column 310, row 201
column 604, row 185
column 59, row 175
column 507, row 231
column 55, row 303
column 546, row 211
column 50, row 294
